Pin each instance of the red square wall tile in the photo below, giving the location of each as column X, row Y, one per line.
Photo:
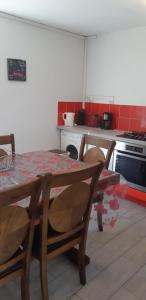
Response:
column 70, row 107
column 60, row 121
column 78, row 106
column 75, row 118
column 124, row 111
column 115, row 109
column 88, row 107
column 134, row 112
column 143, row 123
column 115, row 122
column 137, row 112
column 124, row 124
column 135, row 125
column 95, row 108
column 62, row 106
column 143, row 115
column 103, row 108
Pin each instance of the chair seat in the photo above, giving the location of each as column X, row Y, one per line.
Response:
column 52, row 247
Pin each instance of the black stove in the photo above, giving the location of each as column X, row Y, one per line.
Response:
column 134, row 135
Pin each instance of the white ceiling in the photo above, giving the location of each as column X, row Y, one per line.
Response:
column 85, row 17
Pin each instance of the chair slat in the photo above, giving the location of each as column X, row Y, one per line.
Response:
column 68, row 209
column 93, row 155
column 8, row 139
column 14, row 224
column 99, row 143
column 16, row 232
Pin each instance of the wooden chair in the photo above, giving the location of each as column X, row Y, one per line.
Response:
column 16, row 233
column 65, row 219
column 93, row 155
column 6, row 140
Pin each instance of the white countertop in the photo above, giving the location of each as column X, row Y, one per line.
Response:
column 108, row 134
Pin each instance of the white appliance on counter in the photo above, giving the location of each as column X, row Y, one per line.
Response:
column 70, row 142
column 68, row 118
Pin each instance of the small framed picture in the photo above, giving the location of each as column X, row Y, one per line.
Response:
column 16, row 69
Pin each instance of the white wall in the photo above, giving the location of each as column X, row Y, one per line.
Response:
column 54, row 70
column 116, row 66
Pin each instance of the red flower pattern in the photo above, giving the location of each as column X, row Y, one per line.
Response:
column 100, row 208
column 114, row 204
column 113, row 222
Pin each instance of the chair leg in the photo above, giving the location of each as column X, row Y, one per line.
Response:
column 99, row 214
column 82, row 267
column 44, row 279
column 99, row 221
column 25, row 288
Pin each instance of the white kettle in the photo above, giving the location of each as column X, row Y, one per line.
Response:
column 68, row 118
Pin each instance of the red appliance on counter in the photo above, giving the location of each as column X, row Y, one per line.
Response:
column 92, row 120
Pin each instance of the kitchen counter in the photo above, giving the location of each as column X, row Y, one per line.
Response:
column 108, row 134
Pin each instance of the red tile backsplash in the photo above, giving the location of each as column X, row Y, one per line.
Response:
column 138, row 112
column 115, row 109
column 60, row 121
column 143, row 123
column 124, row 111
column 78, row 106
column 70, row 107
column 67, row 106
column 62, row 107
column 135, row 124
column 103, row 108
column 124, row 124
column 125, row 117
column 89, row 107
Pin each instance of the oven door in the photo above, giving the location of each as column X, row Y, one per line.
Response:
column 132, row 167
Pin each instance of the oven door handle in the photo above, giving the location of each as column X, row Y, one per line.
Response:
column 130, row 156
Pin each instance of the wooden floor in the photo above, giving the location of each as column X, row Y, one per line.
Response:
column 117, row 270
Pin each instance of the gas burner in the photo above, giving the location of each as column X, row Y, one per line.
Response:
column 134, row 135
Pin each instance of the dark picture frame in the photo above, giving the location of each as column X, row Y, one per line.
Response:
column 16, row 69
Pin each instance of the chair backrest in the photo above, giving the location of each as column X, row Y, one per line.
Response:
column 17, row 223
column 8, row 140
column 95, row 153
column 70, row 210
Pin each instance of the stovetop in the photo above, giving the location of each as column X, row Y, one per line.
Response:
column 134, row 135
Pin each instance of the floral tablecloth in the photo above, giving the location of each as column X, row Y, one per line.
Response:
column 30, row 164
